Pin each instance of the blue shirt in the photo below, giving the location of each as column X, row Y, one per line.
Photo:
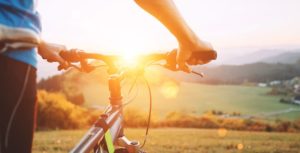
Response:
column 21, row 13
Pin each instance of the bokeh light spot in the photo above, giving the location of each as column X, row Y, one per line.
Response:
column 169, row 89
column 222, row 132
column 240, row 146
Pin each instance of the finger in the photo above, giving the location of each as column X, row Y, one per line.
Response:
column 201, row 62
column 63, row 66
column 50, row 60
column 184, row 68
column 183, row 56
column 193, row 61
column 60, row 67
column 59, row 59
column 181, row 59
column 171, row 59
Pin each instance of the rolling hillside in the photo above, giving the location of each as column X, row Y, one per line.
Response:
column 197, row 98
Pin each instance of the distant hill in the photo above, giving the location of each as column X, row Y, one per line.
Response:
column 286, row 57
column 266, row 56
column 237, row 74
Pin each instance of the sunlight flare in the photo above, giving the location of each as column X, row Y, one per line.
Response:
column 222, row 132
column 240, row 146
column 169, row 89
column 129, row 60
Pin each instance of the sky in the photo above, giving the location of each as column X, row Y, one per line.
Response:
column 233, row 27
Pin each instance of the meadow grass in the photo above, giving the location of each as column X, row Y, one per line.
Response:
column 176, row 140
column 199, row 98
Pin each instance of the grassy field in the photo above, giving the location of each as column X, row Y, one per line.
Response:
column 198, row 98
column 183, row 141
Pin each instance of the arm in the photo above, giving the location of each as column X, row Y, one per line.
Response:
column 166, row 12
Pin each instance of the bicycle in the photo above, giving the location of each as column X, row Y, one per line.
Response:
column 107, row 133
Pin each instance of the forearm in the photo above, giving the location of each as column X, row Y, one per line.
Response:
column 167, row 13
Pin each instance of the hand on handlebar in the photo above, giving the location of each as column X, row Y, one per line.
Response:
column 50, row 52
column 190, row 54
column 198, row 53
column 177, row 60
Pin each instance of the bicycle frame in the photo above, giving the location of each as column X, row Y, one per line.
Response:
column 107, row 131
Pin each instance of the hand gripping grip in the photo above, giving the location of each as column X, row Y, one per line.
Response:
column 204, row 56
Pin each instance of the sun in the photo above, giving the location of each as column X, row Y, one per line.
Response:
column 130, row 53
column 130, row 60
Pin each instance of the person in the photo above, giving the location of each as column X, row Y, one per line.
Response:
column 20, row 41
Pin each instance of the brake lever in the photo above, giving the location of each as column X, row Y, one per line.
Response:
column 174, row 69
column 198, row 73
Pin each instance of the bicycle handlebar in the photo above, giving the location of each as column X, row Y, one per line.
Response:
column 76, row 55
column 73, row 56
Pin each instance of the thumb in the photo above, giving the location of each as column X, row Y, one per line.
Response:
column 184, row 67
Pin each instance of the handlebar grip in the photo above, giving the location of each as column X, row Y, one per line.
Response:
column 205, row 55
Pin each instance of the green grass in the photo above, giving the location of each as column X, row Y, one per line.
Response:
column 175, row 140
column 198, row 98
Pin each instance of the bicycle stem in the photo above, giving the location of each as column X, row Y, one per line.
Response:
column 114, row 84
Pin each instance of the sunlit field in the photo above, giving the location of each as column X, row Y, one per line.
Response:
column 199, row 98
column 183, row 141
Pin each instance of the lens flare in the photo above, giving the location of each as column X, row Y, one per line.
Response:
column 240, row 146
column 222, row 132
column 169, row 89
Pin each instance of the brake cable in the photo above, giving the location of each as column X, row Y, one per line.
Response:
column 150, row 102
column 150, row 111
column 192, row 71
column 133, row 84
column 131, row 99
column 150, row 108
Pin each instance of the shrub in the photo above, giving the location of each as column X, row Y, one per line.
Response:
column 55, row 112
column 135, row 118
